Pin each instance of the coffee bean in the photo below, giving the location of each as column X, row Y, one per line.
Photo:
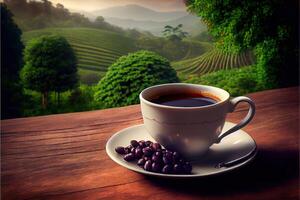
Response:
column 141, row 162
column 156, row 158
column 176, row 156
column 142, row 144
column 148, row 143
column 148, row 165
column 156, row 146
column 158, row 153
column 147, row 151
column 134, row 143
column 181, row 161
column 146, row 158
column 167, row 169
column 152, row 157
column 177, row 169
column 138, row 153
column 187, row 168
column 167, row 160
column 169, row 155
column 129, row 157
column 132, row 150
column 156, row 167
column 120, row 150
column 127, row 150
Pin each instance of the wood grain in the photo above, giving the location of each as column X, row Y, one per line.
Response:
column 63, row 157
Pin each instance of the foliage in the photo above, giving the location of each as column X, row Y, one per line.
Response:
column 129, row 75
column 80, row 99
column 174, row 33
column 50, row 65
column 11, row 62
column 173, row 50
column 271, row 27
column 236, row 81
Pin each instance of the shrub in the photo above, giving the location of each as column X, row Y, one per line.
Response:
column 236, row 81
column 270, row 27
column 130, row 74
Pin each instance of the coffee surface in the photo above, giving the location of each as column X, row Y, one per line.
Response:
column 184, row 100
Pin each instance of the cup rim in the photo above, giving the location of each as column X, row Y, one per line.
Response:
column 142, row 99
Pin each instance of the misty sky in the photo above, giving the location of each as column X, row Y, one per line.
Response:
column 90, row 5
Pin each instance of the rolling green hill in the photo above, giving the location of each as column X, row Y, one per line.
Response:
column 95, row 49
column 212, row 61
column 196, row 48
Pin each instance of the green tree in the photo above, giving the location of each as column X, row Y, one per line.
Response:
column 129, row 75
column 270, row 27
column 174, row 33
column 11, row 63
column 50, row 65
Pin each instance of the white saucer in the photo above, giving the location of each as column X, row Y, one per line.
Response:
column 235, row 146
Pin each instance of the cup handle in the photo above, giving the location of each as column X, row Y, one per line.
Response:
column 233, row 103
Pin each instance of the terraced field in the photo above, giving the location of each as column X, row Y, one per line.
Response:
column 212, row 61
column 95, row 49
column 196, row 48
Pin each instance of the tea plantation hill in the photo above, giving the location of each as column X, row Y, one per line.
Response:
column 96, row 49
column 213, row 60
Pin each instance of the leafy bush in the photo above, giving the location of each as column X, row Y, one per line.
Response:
column 236, row 81
column 270, row 27
column 82, row 99
column 130, row 74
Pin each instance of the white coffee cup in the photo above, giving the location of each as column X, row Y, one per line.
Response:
column 190, row 130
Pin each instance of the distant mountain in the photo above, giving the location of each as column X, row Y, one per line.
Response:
column 191, row 24
column 138, row 13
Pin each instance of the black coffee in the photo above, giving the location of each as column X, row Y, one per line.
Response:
column 184, row 100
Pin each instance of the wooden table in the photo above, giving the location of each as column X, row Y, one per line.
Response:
column 63, row 157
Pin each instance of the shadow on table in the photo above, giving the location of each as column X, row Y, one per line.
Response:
column 270, row 168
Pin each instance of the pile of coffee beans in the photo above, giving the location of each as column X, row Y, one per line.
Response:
column 152, row 157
